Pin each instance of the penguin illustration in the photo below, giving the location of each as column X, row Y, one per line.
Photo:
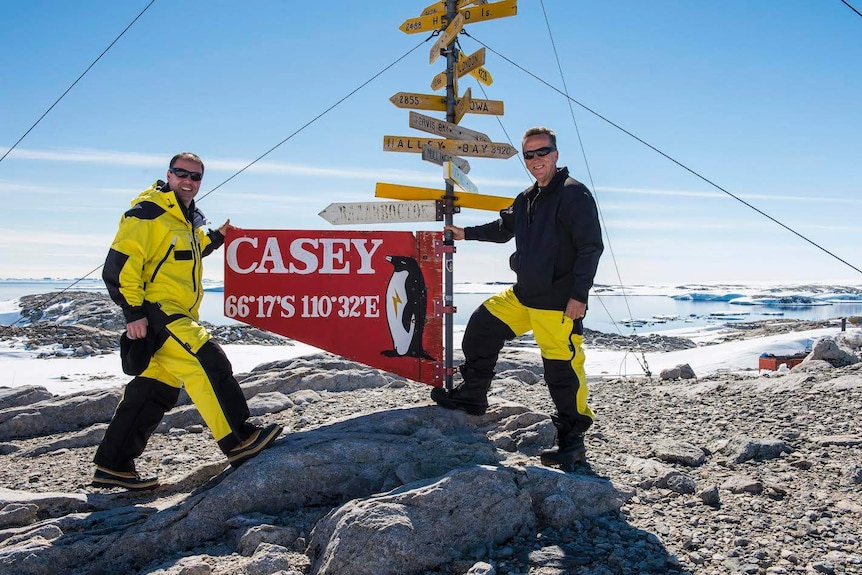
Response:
column 406, row 301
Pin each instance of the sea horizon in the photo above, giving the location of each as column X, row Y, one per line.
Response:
column 626, row 310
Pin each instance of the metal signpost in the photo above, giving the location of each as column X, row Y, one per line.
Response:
column 448, row 18
column 382, row 285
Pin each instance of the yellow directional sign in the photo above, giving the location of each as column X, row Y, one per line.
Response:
column 438, row 103
column 419, row 101
column 456, row 147
column 434, row 16
column 454, row 176
column 428, row 23
column 483, row 75
column 445, row 129
column 490, row 107
column 409, row 144
column 467, row 64
column 490, row 11
column 479, row 149
column 462, row 199
column 446, row 38
column 463, row 105
column 439, row 81
column 440, row 7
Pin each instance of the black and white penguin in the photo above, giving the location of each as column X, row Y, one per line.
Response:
column 406, row 300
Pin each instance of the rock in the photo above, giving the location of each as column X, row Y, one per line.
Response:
column 18, row 514
column 742, row 448
column 62, row 414
column 732, row 472
column 830, row 350
column 18, row 396
column 683, row 371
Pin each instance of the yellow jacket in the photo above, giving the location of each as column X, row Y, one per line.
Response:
column 156, row 255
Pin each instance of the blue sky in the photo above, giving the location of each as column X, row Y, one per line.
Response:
column 761, row 97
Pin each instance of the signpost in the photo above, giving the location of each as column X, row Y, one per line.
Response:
column 377, row 297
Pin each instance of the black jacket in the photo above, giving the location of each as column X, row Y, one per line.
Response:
column 558, row 242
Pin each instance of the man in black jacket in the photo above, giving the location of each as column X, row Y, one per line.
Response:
column 558, row 242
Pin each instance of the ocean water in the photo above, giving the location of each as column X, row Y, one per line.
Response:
column 608, row 313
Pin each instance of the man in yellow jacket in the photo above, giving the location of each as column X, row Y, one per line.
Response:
column 153, row 272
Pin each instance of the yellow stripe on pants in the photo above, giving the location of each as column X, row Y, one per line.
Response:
column 176, row 365
column 554, row 333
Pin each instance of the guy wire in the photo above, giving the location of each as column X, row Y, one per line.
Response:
column 105, row 51
column 668, row 157
column 3, row 329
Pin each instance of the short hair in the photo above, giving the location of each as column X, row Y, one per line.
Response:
column 541, row 131
column 187, row 156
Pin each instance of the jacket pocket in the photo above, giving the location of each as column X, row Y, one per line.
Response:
column 164, row 259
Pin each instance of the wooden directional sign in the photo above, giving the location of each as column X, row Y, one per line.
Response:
column 428, row 23
column 419, row 101
column 488, row 107
column 471, row 64
column 431, row 153
column 490, row 11
column 440, row 7
column 434, row 17
column 467, row 64
column 483, row 75
column 456, row 147
column 383, row 212
column 479, row 149
column 409, row 143
column 436, row 103
column 439, row 81
column 445, row 129
column 446, row 38
column 453, row 175
column 463, row 105
column 462, row 199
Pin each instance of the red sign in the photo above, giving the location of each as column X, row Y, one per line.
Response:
column 373, row 297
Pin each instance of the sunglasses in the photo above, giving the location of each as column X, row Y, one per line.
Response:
column 181, row 173
column 541, row 152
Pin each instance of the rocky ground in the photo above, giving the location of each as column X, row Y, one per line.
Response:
column 720, row 474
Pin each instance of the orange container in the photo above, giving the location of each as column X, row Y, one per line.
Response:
column 769, row 361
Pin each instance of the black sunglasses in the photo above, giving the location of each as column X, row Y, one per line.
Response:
column 541, row 152
column 181, row 173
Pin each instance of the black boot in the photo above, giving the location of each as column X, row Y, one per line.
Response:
column 471, row 395
column 570, row 448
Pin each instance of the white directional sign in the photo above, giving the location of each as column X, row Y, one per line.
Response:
column 431, row 153
column 383, row 212
column 453, row 175
column 445, row 129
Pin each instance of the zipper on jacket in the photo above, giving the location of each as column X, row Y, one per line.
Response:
column 196, row 257
column 164, row 259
